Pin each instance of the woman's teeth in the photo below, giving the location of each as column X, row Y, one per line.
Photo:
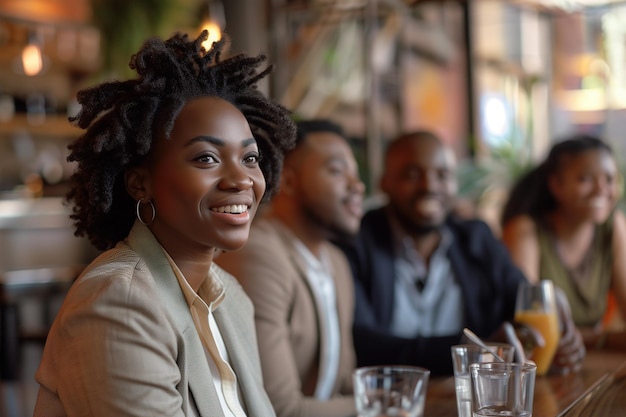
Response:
column 233, row 209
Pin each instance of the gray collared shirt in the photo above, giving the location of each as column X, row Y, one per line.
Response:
column 437, row 310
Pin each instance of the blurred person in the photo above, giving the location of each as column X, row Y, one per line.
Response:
column 562, row 223
column 172, row 167
column 422, row 273
column 300, row 283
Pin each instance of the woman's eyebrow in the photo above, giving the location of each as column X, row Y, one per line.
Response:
column 205, row 138
column 218, row 142
column 248, row 142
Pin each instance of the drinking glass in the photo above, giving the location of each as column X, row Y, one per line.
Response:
column 502, row 389
column 536, row 307
column 381, row 391
column 462, row 357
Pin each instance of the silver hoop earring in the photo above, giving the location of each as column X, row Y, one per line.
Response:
column 139, row 214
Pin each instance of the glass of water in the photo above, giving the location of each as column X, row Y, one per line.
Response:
column 381, row 391
column 503, row 389
column 462, row 357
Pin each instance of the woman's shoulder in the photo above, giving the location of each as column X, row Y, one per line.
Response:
column 116, row 279
column 120, row 257
column 117, row 267
column 615, row 226
column 521, row 225
column 617, row 218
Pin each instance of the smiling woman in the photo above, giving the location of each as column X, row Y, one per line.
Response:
column 208, row 166
column 562, row 223
column 152, row 326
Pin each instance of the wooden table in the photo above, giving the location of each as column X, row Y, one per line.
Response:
column 600, row 385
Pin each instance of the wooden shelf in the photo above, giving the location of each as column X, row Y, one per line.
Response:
column 54, row 126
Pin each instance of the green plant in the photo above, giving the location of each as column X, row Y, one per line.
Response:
column 125, row 24
column 505, row 163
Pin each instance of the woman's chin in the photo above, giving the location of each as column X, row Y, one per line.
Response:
column 599, row 216
column 233, row 244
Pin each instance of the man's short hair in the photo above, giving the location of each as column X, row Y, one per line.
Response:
column 306, row 127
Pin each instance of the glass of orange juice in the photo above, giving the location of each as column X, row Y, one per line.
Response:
column 536, row 307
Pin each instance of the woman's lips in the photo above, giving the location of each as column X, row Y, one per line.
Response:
column 232, row 208
column 235, row 214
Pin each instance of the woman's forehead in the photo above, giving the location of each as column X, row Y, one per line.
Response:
column 589, row 159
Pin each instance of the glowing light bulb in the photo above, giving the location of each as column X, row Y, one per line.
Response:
column 32, row 60
column 215, row 33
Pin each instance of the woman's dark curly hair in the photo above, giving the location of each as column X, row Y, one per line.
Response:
column 531, row 194
column 123, row 118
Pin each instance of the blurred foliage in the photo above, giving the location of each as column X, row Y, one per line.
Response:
column 125, row 24
column 505, row 163
column 511, row 155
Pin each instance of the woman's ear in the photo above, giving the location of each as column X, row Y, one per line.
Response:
column 137, row 184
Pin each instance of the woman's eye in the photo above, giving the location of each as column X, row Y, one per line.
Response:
column 251, row 159
column 610, row 179
column 207, row 159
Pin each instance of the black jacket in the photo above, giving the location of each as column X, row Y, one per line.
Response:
column 481, row 264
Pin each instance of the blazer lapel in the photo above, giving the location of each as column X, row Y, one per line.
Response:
column 300, row 264
column 192, row 354
column 239, row 338
column 200, row 378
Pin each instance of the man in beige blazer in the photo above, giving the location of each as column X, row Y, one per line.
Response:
column 142, row 277
column 300, row 283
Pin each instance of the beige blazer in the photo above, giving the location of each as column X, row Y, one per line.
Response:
column 124, row 342
column 270, row 270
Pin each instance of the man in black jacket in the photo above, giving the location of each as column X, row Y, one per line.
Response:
column 421, row 273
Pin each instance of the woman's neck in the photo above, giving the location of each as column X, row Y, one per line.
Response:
column 194, row 268
column 565, row 227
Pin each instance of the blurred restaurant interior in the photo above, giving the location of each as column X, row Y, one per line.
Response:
column 500, row 80
column 497, row 79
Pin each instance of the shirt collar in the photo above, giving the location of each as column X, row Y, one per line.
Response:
column 310, row 259
column 210, row 292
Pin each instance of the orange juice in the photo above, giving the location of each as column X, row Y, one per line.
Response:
column 548, row 325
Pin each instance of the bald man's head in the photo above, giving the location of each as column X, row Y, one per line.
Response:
column 420, row 180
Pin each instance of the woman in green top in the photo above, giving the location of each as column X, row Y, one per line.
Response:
column 561, row 223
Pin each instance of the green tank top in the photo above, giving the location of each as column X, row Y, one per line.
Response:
column 586, row 287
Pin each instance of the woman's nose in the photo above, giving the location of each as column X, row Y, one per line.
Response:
column 234, row 176
column 603, row 185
